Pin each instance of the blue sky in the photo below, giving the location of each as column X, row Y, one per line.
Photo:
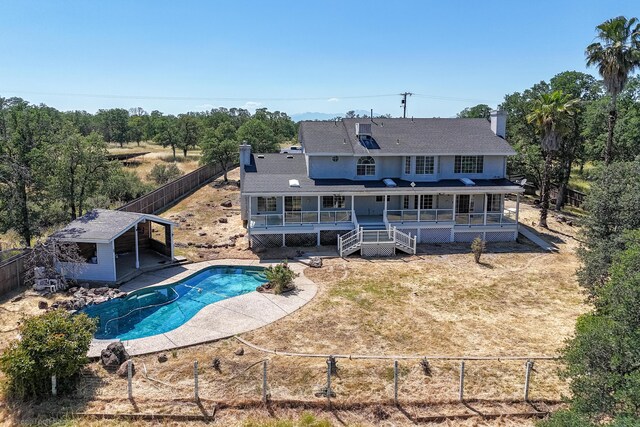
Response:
column 293, row 56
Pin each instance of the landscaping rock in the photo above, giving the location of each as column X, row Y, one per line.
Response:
column 43, row 305
column 162, row 357
column 315, row 262
column 226, row 204
column 114, row 356
column 16, row 299
column 202, row 233
column 239, row 351
column 124, row 368
column 223, row 220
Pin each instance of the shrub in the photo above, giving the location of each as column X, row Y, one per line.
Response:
column 478, row 247
column 280, row 277
column 161, row 173
column 55, row 343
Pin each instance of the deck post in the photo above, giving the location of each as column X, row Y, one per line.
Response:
column 453, row 214
column 420, row 196
column 135, row 231
column 395, row 381
column 461, row 392
column 318, row 212
column 486, row 198
column 283, row 212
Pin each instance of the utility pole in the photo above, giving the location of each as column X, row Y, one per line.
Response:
column 404, row 103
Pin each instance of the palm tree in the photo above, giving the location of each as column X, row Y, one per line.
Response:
column 616, row 55
column 549, row 114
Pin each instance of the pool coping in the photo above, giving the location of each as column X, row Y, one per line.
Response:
column 219, row 320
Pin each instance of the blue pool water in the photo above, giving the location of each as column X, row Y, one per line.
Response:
column 159, row 309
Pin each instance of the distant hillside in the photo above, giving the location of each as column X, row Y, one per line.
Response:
column 323, row 116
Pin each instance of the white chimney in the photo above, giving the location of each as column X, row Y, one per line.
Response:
column 499, row 122
column 245, row 159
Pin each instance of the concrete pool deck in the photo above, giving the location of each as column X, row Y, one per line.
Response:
column 221, row 319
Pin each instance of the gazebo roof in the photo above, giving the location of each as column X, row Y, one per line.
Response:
column 103, row 225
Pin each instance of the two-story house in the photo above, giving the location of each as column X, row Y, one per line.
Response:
column 377, row 185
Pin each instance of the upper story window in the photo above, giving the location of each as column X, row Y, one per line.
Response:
column 267, row 204
column 366, row 166
column 407, row 165
column 424, row 165
column 468, row 164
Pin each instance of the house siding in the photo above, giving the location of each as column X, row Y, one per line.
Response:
column 103, row 271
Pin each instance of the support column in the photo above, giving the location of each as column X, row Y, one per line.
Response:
column 135, row 232
column 385, row 208
column 517, row 215
column 454, row 218
column 283, row 212
column 318, row 206
column 485, row 208
column 420, row 196
column 170, row 242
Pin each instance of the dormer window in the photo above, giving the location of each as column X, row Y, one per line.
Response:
column 366, row 166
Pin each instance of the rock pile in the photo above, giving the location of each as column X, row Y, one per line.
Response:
column 82, row 297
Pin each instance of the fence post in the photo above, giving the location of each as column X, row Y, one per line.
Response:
column 264, row 381
column 461, row 395
column 129, row 375
column 195, row 380
column 395, row 381
column 527, row 376
column 54, row 385
column 329, row 379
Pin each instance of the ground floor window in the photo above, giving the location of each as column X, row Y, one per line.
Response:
column 333, row 202
column 494, row 202
column 462, row 203
column 381, row 198
column 293, row 203
column 267, row 204
column 88, row 251
column 426, row 201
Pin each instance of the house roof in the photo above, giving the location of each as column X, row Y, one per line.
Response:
column 103, row 225
column 404, row 136
column 270, row 174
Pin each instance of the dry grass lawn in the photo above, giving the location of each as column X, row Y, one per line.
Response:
column 518, row 302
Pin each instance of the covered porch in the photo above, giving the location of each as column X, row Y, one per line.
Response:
column 299, row 211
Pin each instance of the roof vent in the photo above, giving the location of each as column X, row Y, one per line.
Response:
column 363, row 129
column 294, row 183
column 289, row 156
column 467, row 181
column 261, row 156
column 389, row 182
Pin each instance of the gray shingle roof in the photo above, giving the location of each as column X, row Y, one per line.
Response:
column 270, row 174
column 404, row 136
column 103, row 225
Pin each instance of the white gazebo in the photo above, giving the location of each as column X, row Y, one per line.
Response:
column 118, row 245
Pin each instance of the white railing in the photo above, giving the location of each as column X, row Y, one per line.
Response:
column 492, row 218
column 419, row 215
column 377, row 236
column 298, row 218
column 359, row 237
column 347, row 240
column 405, row 239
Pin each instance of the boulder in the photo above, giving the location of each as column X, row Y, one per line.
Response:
column 101, row 291
column 43, row 305
column 114, row 355
column 226, row 204
column 109, row 360
column 202, row 233
column 239, row 351
column 124, row 368
column 223, row 220
column 315, row 262
column 162, row 357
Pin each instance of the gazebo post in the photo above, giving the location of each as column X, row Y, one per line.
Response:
column 135, row 232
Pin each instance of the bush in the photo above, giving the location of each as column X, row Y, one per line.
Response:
column 55, row 343
column 161, row 173
column 478, row 247
column 565, row 418
column 280, row 277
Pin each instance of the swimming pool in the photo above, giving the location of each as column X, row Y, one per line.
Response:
column 158, row 309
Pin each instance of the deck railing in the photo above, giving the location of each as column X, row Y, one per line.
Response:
column 299, row 218
column 419, row 215
column 492, row 218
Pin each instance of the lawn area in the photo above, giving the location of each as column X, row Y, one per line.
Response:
column 517, row 302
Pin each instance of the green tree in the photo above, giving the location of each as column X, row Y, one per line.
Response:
column 167, row 133
column 55, row 343
column 480, row 111
column 188, row 132
column 79, row 166
column 549, row 114
column 616, row 55
column 161, row 173
column 259, row 135
column 612, row 207
column 114, row 125
column 220, row 147
column 137, row 126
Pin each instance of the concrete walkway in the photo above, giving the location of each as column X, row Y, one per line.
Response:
column 221, row 319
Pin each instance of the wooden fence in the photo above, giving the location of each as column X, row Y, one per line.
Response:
column 173, row 191
column 12, row 272
column 572, row 197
